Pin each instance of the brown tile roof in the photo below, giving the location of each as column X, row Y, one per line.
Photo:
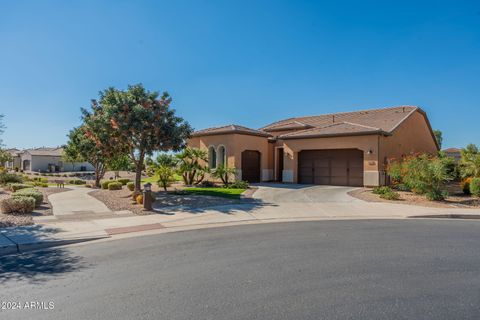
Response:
column 452, row 150
column 335, row 129
column 386, row 119
column 233, row 128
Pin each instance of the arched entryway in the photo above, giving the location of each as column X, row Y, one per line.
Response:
column 251, row 166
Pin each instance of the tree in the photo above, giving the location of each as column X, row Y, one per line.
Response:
column 82, row 145
column 192, row 165
column 165, row 176
column 71, row 158
column 119, row 163
column 470, row 162
column 224, row 173
column 137, row 122
column 439, row 137
column 5, row 156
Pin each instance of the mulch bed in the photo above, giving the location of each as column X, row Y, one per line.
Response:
column 453, row 201
column 118, row 200
column 45, row 209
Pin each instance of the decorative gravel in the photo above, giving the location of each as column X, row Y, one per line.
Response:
column 455, row 201
column 118, row 200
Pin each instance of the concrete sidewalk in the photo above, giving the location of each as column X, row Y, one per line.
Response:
column 76, row 201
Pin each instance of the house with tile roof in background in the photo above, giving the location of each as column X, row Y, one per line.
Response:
column 44, row 160
column 345, row 149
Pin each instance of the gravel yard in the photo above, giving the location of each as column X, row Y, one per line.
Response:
column 9, row 220
column 453, row 201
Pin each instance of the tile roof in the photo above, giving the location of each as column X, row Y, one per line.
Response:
column 54, row 152
column 335, row 129
column 452, row 150
column 386, row 119
column 232, row 128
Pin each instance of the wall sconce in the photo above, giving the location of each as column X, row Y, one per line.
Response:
column 369, row 151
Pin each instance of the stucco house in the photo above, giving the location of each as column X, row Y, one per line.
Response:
column 455, row 153
column 44, row 160
column 346, row 149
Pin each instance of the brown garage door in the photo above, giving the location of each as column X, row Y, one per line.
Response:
column 342, row 167
column 251, row 166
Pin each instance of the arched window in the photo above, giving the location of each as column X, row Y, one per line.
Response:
column 212, row 157
column 221, row 156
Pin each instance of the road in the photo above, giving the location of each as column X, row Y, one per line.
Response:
column 367, row 269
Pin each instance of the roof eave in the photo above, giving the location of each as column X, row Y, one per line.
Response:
column 335, row 135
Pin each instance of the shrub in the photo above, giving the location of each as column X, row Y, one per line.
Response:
column 475, row 187
column 381, row 190
column 17, row 205
column 77, row 181
column 402, row 187
column 123, row 181
column 165, row 176
column 105, row 184
column 6, row 178
column 115, row 186
column 17, row 186
column 466, row 185
column 131, row 186
column 390, row 195
column 207, row 184
column 422, row 174
column 239, row 184
column 31, row 192
column 436, row 195
column 139, row 199
column 224, row 173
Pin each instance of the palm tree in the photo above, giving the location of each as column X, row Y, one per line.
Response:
column 191, row 165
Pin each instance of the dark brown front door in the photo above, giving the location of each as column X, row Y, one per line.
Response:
column 342, row 167
column 280, row 165
column 251, row 166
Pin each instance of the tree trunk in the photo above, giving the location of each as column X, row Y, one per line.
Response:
column 138, row 173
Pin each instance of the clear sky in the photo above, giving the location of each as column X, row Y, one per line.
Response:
column 244, row 62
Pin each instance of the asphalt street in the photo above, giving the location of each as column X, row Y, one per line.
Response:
column 365, row 269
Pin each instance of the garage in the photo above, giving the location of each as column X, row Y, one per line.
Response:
column 251, row 166
column 343, row 167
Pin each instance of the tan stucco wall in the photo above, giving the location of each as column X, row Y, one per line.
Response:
column 235, row 144
column 368, row 144
column 411, row 136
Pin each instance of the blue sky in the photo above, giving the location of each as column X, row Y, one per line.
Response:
column 245, row 62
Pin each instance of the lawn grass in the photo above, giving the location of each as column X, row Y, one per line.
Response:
column 216, row 192
column 154, row 179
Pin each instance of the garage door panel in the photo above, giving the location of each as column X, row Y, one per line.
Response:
column 336, row 167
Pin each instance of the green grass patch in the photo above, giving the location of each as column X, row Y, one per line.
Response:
column 154, row 179
column 217, row 192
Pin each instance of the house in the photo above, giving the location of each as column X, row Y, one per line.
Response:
column 44, row 160
column 15, row 159
column 455, row 153
column 346, row 149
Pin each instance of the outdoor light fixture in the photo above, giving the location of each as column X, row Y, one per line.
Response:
column 147, row 186
column 369, row 152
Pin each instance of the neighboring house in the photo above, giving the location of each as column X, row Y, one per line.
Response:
column 346, row 149
column 46, row 160
column 16, row 160
column 454, row 153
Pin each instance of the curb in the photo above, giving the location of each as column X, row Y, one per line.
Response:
column 18, row 248
column 449, row 216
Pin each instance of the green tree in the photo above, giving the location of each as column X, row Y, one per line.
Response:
column 165, row 175
column 439, row 137
column 192, row 165
column 5, row 156
column 119, row 163
column 82, row 145
column 470, row 162
column 71, row 158
column 138, row 123
column 224, row 173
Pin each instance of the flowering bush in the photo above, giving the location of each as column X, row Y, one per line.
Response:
column 466, row 185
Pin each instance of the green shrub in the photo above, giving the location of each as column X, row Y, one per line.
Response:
column 105, row 184
column 238, row 184
column 436, row 195
column 131, row 186
column 17, row 205
column 390, row 195
column 402, row 187
column 123, row 181
column 17, row 186
column 165, row 176
column 115, row 186
column 77, row 181
column 6, row 178
column 381, row 190
column 475, row 187
column 31, row 192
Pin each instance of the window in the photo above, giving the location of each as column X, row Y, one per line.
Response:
column 212, row 157
column 221, row 158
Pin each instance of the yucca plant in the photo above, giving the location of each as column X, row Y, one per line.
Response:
column 224, row 173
